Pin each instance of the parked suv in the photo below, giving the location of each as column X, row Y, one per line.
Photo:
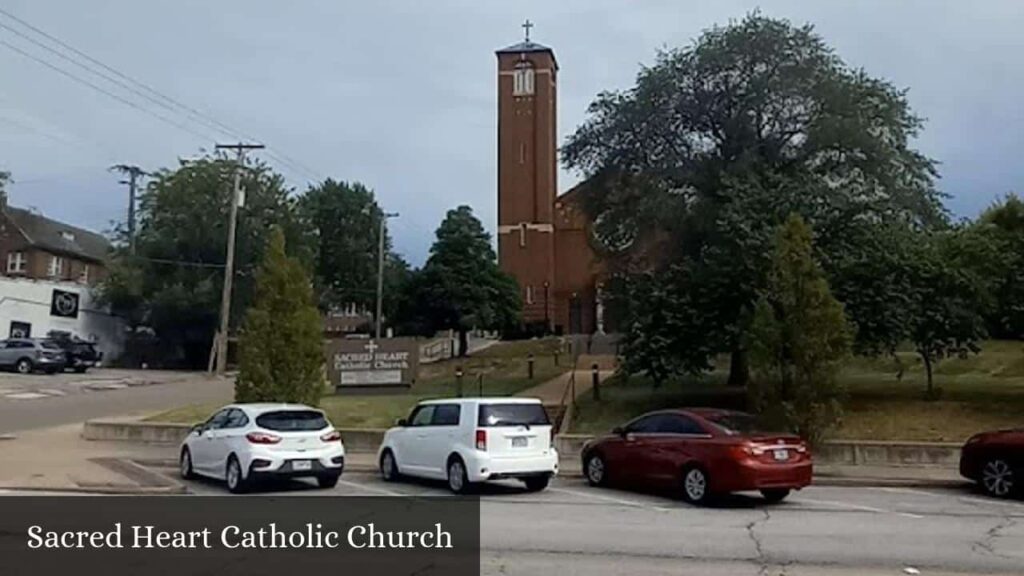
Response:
column 25, row 355
column 471, row 440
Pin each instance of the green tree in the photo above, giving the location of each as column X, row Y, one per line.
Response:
column 281, row 343
column 460, row 286
column 173, row 282
column 798, row 337
column 343, row 223
column 691, row 171
column 1003, row 225
column 948, row 297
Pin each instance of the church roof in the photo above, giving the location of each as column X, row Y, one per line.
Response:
column 527, row 46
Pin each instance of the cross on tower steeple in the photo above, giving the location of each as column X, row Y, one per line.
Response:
column 526, row 28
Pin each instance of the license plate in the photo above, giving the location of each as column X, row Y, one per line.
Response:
column 781, row 455
column 520, row 442
column 299, row 465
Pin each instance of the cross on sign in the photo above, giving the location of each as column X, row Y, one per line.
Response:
column 526, row 27
column 371, row 347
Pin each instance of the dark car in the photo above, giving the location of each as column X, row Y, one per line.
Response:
column 702, row 452
column 995, row 460
column 80, row 355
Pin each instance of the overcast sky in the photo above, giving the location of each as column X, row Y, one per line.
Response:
column 402, row 95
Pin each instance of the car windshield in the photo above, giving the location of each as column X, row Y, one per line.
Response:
column 738, row 423
column 292, row 421
column 512, row 415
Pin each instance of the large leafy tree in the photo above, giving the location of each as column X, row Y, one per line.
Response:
column 281, row 343
column 1003, row 225
column 342, row 221
column 460, row 287
column 798, row 337
column 690, row 172
column 173, row 282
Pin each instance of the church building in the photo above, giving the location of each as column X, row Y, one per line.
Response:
column 543, row 237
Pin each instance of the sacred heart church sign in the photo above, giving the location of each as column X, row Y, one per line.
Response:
column 365, row 364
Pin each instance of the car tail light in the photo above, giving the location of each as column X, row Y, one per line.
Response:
column 481, row 439
column 741, row 451
column 332, row 436
column 262, row 438
column 802, row 448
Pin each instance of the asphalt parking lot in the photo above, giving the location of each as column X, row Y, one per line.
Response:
column 576, row 529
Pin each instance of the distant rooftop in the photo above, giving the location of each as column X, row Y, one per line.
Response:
column 527, row 45
column 57, row 237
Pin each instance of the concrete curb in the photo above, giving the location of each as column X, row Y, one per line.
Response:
column 103, row 490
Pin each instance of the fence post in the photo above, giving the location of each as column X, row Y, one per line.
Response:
column 596, row 377
column 480, row 384
column 458, row 381
column 529, row 366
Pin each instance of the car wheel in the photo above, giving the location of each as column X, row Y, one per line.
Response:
column 235, row 480
column 696, row 489
column 997, row 478
column 458, row 480
column 389, row 467
column 776, row 495
column 597, row 471
column 185, row 465
column 328, row 480
column 24, row 366
column 536, row 484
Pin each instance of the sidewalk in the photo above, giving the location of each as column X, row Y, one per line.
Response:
column 58, row 458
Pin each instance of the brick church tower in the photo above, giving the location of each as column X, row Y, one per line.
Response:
column 527, row 173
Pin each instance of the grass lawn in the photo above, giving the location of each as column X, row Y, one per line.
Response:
column 503, row 367
column 978, row 393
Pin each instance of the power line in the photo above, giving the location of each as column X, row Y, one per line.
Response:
column 104, row 91
column 154, row 96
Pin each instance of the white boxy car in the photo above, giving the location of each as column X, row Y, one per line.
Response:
column 243, row 443
column 471, row 440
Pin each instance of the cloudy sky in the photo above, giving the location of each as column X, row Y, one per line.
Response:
column 401, row 94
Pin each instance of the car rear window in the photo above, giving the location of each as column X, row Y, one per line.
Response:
column 512, row 415
column 49, row 345
column 737, row 423
column 292, row 421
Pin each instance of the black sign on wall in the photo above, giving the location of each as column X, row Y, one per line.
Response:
column 20, row 329
column 64, row 304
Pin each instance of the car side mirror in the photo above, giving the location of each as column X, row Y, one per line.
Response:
column 619, row 431
column 401, row 422
column 198, row 428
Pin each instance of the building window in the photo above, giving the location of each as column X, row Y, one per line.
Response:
column 529, row 294
column 56, row 269
column 522, row 152
column 83, row 276
column 17, row 263
column 522, row 234
column 522, row 80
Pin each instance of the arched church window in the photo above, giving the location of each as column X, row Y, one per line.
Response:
column 522, row 79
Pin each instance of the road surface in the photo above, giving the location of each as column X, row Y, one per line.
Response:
column 571, row 528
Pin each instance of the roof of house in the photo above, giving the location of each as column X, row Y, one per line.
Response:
column 53, row 236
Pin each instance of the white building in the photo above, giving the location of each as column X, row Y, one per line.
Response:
column 35, row 307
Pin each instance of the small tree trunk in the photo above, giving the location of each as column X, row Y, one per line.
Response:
column 739, row 368
column 463, row 342
column 928, row 372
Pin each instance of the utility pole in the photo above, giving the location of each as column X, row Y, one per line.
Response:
column 134, row 173
column 380, row 268
column 229, row 265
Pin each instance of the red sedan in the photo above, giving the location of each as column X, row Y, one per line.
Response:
column 995, row 460
column 703, row 451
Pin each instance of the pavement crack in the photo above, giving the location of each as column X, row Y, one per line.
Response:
column 761, row 559
column 986, row 545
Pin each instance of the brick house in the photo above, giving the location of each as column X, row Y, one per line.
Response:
column 35, row 247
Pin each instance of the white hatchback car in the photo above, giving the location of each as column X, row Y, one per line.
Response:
column 470, row 440
column 242, row 443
